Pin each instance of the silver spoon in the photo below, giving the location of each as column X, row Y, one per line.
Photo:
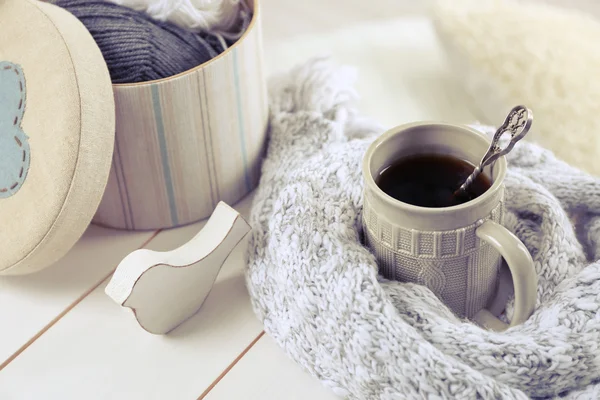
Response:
column 517, row 124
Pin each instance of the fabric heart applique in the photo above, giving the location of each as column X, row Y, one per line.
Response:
column 14, row 145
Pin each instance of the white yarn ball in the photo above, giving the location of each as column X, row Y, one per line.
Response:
column 193, row 15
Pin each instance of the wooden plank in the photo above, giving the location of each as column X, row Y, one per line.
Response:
column 30, row 302
column 98, row 351
column 266, row 372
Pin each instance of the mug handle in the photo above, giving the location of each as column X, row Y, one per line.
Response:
column 523, row 274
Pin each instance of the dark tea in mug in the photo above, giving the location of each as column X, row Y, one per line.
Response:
column 430, row 180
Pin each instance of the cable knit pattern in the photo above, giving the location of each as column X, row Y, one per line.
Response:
column 316, row 289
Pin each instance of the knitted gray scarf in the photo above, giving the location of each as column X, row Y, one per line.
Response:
column 316, row 289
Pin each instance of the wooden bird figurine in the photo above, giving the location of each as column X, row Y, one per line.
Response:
column 163, row 289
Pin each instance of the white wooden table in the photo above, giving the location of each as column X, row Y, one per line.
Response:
column 61, row 337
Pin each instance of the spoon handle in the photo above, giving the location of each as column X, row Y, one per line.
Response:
column 517, row 124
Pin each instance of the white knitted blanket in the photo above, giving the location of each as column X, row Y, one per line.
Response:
column 316, row 288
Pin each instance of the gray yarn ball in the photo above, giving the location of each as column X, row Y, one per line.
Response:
column 137, row 48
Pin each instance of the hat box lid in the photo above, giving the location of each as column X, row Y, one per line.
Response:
column 57, row 130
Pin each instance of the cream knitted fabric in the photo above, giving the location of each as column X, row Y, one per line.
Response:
column 193, row 15
column 507, row 52
column 316, row 289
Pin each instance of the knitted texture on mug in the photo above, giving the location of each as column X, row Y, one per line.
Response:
column 137, row 48
column 315, row 286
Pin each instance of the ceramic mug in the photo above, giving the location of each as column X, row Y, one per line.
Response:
column 455, row 251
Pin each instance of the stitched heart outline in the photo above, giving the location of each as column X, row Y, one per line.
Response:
column 14, row 143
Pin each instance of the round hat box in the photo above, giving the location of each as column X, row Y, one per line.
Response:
column 76, row 149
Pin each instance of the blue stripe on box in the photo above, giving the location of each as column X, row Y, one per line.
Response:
column 162, row 141
column 119, row 184
column 236, row 78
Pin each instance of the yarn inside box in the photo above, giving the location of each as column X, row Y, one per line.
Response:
column 139, row 48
